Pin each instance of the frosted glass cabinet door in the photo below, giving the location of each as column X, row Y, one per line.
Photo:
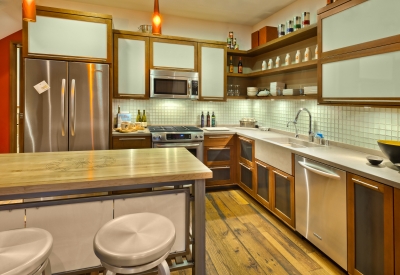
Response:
column 213, row 71
column 368, row 21
column 173, row 54
column 73, row 227
column 69, row 38
column 131, row 66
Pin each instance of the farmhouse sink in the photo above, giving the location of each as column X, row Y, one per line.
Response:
column 292, row 142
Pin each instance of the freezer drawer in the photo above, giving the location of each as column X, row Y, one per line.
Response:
column 320, row 195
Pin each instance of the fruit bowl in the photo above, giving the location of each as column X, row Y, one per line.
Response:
column 391, row 149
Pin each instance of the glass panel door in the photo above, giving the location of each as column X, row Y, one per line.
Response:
column 263, row 183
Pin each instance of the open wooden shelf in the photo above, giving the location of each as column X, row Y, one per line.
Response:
column 286, row 40
column 237, row 97
column 307, row 97
column 284, row 69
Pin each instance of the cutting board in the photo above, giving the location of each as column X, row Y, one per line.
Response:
column 216, row 128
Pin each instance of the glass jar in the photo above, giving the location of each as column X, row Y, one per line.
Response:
column 237, row 91
column 281, row 30
column 297, row 23
column 289, row 26
column 305, row 20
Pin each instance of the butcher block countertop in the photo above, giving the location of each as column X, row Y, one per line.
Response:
column 63, row 171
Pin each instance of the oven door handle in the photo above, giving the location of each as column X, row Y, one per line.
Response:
column 172, row 145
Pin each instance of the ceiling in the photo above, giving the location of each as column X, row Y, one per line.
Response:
column 243, row 12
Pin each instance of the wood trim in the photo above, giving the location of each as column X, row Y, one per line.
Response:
column 146, row 68
column 143, row 143
column 110, row 105
column 179, row 42
column 199, row 58
column 387, row 192
column 244, row 186
column 335, row 5
column 211, row 182
column 21, row 121
column 169, row 37
column 218, row 163
column 397, row 230
column 70, row 16
column 80, row 13
column 243, row 160
column 13, row 96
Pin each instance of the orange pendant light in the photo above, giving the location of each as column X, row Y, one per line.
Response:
column 29, row 10
column 156, row 26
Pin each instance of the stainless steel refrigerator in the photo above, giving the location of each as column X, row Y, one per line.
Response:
column 73, row 115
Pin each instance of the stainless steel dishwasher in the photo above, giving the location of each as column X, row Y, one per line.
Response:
column 320, row 200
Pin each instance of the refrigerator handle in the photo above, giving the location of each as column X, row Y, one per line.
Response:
column 73, row 107
column 63, row 108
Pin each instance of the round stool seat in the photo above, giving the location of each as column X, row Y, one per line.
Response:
column 135, row 239
column 22, row 251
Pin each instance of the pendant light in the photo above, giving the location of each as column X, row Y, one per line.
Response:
column 156, row 26
column 29, row 10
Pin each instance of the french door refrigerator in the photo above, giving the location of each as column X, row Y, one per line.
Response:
column 73, row 115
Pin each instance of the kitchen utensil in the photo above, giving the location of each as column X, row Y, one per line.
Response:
column 237, row 91
column 374, row 160
column 391, row 149
column 145, row 28
column 248, row 122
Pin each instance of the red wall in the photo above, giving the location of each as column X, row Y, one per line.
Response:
column 5, row 89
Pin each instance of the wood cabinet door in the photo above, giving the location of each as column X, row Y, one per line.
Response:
column 222, row 175
column 218, row 155
column 370, row 226
column 212, row 71
column 263, row 183
column 397, row 230
column 283, row 196
column 246, row 151
column 170, row 54
column 131, row 66
column 68, row 35
column 246, row 178
column 131, row 142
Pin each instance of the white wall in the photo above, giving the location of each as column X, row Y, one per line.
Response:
column 10, row 17
column 130, row 20
column 290, row 11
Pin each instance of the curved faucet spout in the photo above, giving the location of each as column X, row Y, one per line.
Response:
column 310, row 132
column 295, row 127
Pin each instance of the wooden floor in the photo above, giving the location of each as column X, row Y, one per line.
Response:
column 242, row 238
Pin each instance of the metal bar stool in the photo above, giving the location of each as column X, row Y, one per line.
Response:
column 25, row 252
column 135, row 243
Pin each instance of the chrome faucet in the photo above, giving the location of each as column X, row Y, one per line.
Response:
column 295, row 127
column 310, row 132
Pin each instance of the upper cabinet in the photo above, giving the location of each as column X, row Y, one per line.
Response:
column 360, row 61
column 131, row 65
column 68, row 35
column 168, row 54
column 212, row 71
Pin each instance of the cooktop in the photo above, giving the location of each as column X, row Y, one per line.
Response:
column 165, row 129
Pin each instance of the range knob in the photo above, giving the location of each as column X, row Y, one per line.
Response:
column 196, row 137
column 201, row 136
column 159, row 137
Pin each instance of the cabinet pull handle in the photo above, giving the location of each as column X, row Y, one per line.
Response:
column 248, row 168
column 262, row 165
column 366, row 184
column 220, row 137
column 246, row 140
column 132, row 138
column 225, row 148
column 280, row 174
column 220, row 167
column 62, row 107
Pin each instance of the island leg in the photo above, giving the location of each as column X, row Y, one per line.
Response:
column 199, row 228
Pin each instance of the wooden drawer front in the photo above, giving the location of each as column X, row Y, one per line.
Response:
column 246, row 151
column 131, row 142
column 219, row 140
column 218, row 155
column 221, row 175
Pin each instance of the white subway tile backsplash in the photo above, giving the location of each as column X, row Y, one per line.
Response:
column 352, row 125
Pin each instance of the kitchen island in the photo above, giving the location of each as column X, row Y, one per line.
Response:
column 38, row 175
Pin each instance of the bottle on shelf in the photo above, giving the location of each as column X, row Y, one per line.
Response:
column 138, row 117
column 231, row 65
column 240, row 66
column 213, row 120
column 202, row 120
column 119, row 109
column 278, row 62
column 307, row 54
column 288, row 60
column 264, row 65
column 297, row 60
column 144, row 119
column 208, row 119
column 270, row 64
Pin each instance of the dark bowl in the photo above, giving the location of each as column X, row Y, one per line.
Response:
column 374, row 160
column 391, row 149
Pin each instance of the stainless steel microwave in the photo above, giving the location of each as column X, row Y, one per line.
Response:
column 174, row 84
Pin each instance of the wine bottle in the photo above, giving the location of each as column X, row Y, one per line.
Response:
column 202, row 119
column 119, row 109
column 240, row 66
column 213, row 120
column 208, row 119
column 138, row 117
column 144, row 119
column 231, row 65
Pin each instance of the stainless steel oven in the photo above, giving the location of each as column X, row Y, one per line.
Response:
column 174, row 84
column 196, row 148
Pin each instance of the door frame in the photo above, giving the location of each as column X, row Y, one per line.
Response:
column 14, row 45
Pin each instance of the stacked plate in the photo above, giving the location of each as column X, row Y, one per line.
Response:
column 252, row 91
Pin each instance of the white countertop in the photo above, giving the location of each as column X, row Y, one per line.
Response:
column 346, row 159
